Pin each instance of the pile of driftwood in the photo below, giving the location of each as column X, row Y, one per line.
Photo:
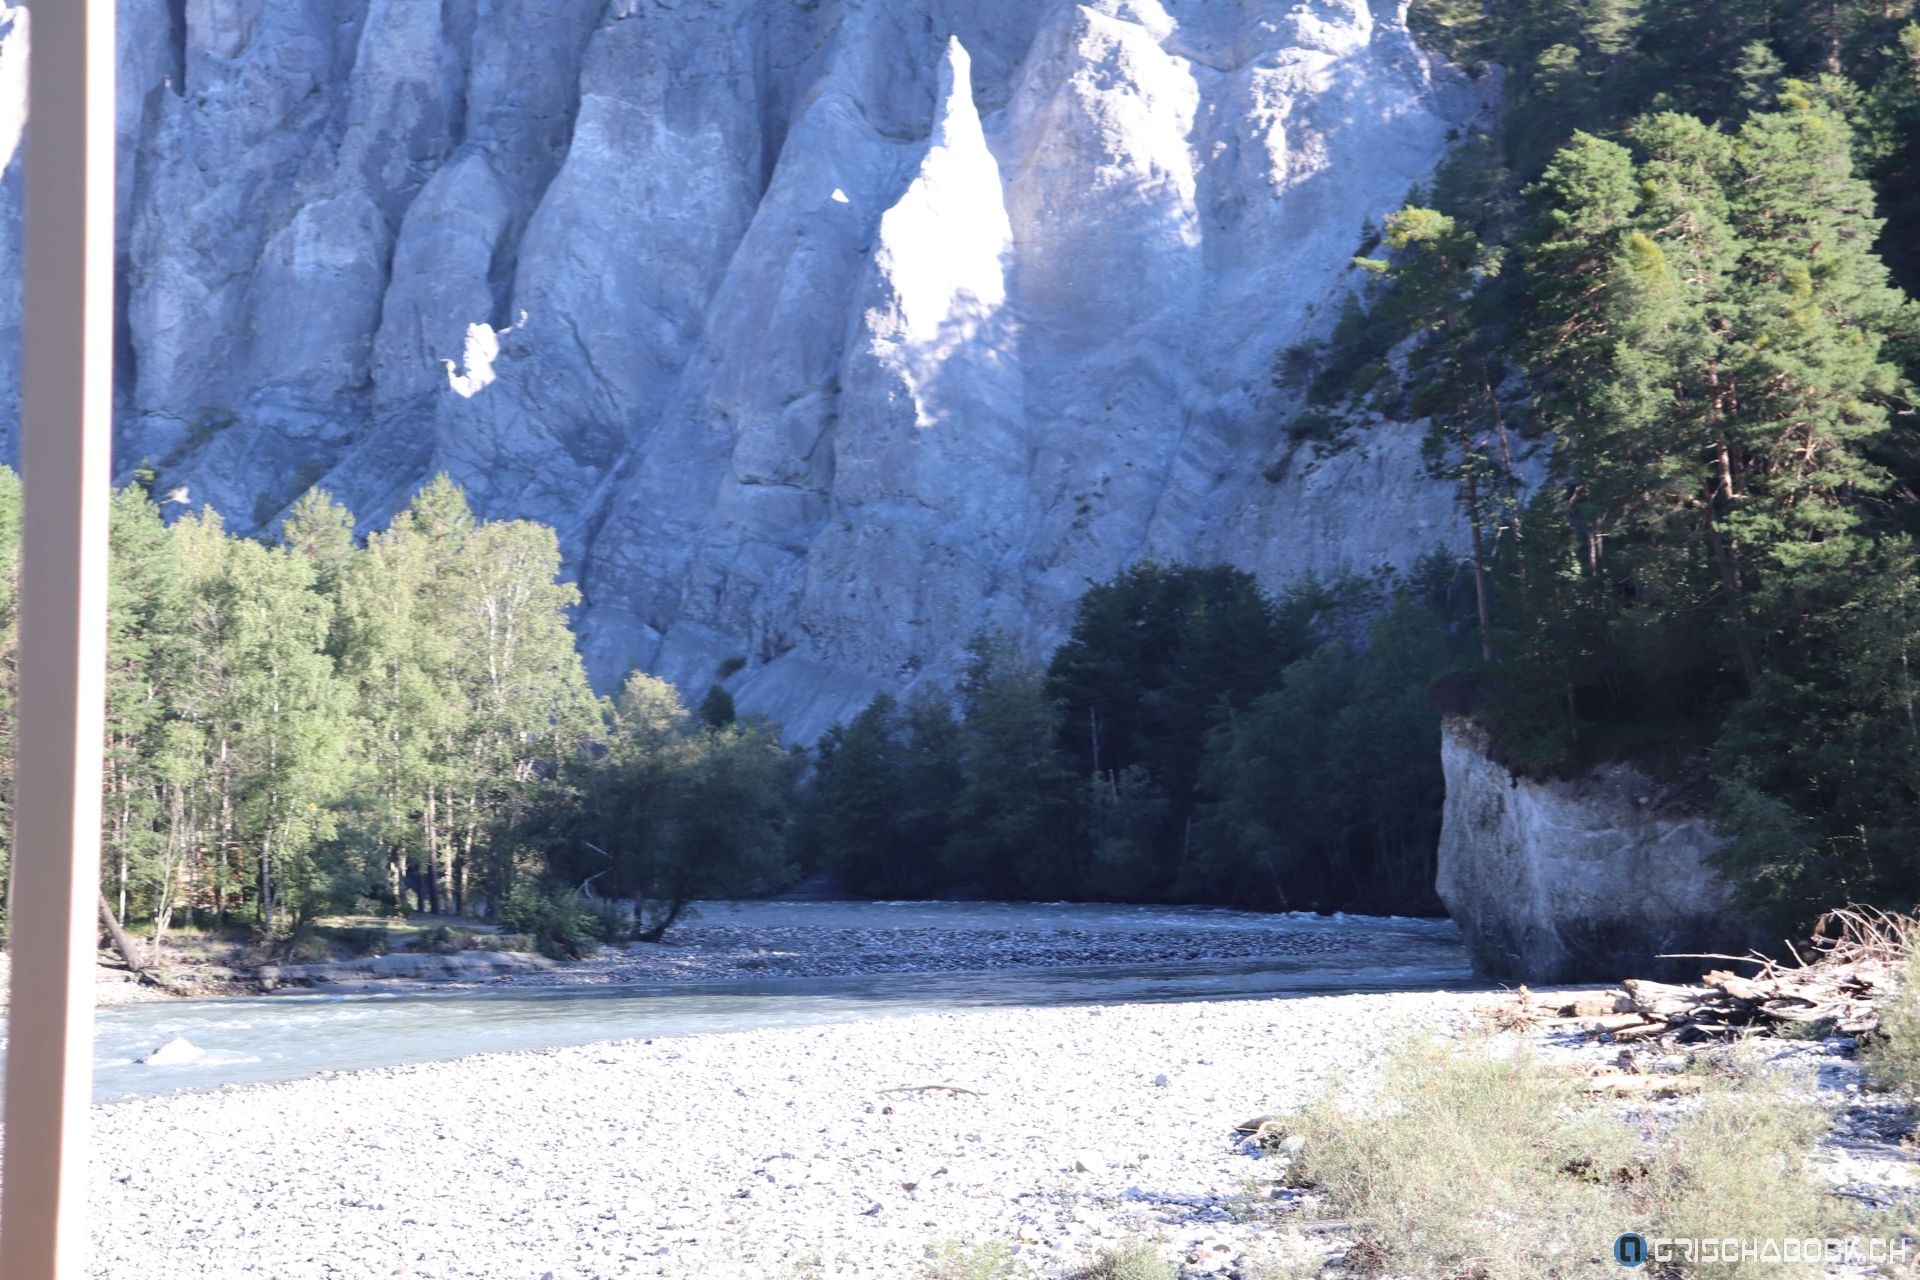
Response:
column 1857, row 958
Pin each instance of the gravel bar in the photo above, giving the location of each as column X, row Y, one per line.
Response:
column 715, row 952
column 758, row 1155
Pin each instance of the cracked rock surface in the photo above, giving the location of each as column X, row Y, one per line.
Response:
column 826, row 333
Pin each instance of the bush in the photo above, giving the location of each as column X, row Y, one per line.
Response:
column 307, row 948
column 443, row 940
column 1893, row 1056
column 561, row 924
column 1128, row 1262
column 955, row 1260
column 1458, row 1146
column 361, row 939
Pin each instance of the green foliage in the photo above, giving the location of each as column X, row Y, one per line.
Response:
column 1328, row 788
column 881, row 798
column 365, row 940
column 716, row 708
column 1155, row 659
column 1893, row 1055
column 314, row 724
column 959, row 1260
column 1193, row 738
column 1719, row 207
column 1013, row 825
column 1719, row 202
column 442, row 940
column 673, row 809
column 1136, row 1260
column 561, row 924
column 1713, row 344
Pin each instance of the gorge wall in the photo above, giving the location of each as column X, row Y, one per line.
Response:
column 827, row 332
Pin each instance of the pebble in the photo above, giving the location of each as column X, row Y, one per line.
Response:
column 629, row 1159
column 699, row 952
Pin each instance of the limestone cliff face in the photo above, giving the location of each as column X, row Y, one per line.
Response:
column 827, row 332
column 1584, row 880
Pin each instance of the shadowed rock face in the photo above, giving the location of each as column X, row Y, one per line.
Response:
column 1590, row 879
column 827, row 332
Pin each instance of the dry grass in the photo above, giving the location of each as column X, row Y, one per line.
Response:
column 1134, row 1261
column 1481, row 1161
column 960, row 1260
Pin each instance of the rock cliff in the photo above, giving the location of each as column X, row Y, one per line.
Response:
column 827, row 332
column 1583, row 880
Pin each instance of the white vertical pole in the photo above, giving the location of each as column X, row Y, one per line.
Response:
column 67, row 386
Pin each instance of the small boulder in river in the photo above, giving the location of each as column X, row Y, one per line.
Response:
column 174, row 1052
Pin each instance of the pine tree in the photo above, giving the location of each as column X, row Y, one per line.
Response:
column 1435, row 268
column 144, row 605
column 1015, row 831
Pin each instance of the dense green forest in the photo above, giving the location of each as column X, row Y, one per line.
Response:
column 317, row 724
column 1679, row 277
column 1195, row 739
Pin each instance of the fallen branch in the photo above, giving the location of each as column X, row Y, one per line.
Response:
column 1857, row 958
column 943, row 1088
column 124, row 945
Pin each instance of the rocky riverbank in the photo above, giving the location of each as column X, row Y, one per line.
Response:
column 871, row 1149
column 762, row 1155
column 113, row 984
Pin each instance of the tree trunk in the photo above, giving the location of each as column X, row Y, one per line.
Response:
column 1724, row 557
column 124, row 946
column 1479, row 554
column 432, row 859
column 121, row 943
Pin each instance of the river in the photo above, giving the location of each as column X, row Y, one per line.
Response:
column 248, row 1041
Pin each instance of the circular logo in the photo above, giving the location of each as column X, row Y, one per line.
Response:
column 1630, row 1250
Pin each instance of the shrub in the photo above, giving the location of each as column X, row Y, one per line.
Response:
column 955, row 1260
column 612, row 922
column 1893, row 1056
column 1323, row 425
column 561, row 924
column 1136, row 1261
column 443, row 940
column 307, row 948
column 364, row 940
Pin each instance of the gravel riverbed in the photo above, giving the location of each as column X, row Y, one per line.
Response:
column 758, row 1155
column 708, row 951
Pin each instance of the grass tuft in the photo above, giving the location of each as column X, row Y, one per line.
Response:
column 1134, row 1261
column 1483, row 1161
column 960, row 1260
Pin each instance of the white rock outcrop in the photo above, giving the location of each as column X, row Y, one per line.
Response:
column 827, row 332
column 173, row 1053
column 1589, row 879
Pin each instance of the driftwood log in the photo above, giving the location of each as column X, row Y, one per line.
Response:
column 1856, row 960
column 130, row 956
